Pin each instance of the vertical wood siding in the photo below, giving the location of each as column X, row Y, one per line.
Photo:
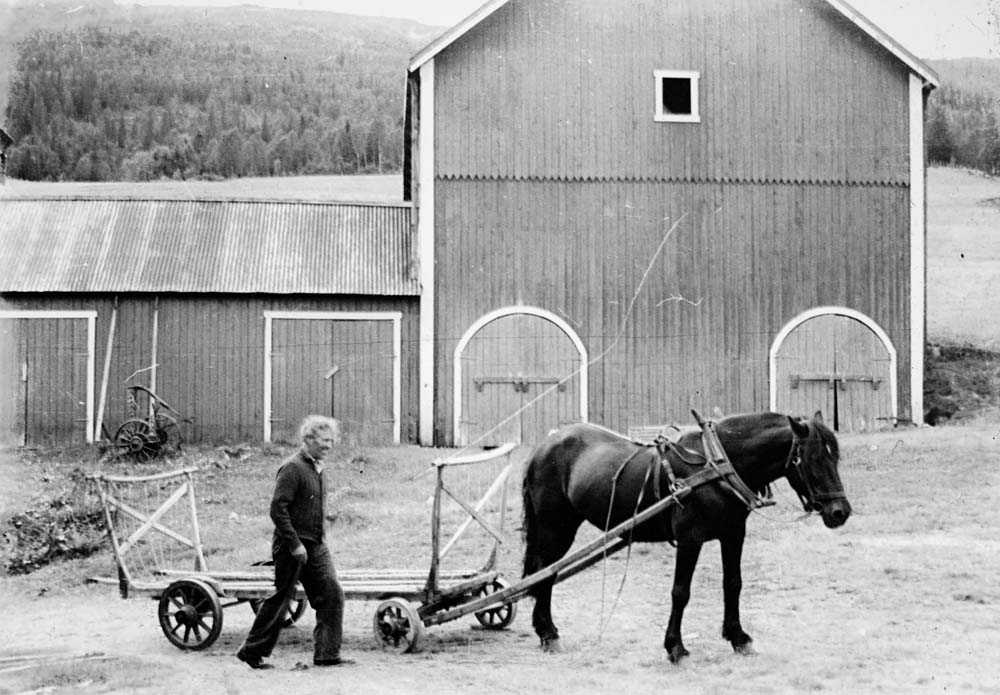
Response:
column 554, row 187
column 210, row 361
column 789, row 91
column 743, row 260
column 44, row 380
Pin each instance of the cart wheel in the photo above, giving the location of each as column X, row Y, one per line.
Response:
column 296, row 609
column 168, row 433
column 137, row 440
column 190, row 614
column 397, row 625
column 500, row 617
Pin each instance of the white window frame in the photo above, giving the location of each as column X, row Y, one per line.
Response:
column 661, row 116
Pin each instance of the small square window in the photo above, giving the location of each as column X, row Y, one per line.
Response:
column 676, row 96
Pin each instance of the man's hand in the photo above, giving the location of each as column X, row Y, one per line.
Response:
column 300, row 554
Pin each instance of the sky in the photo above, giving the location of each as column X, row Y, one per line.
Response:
column 928, row 28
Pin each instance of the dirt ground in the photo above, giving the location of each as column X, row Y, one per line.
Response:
column 903, row 599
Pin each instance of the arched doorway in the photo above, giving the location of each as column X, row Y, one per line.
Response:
column 837, row 361
column 519, row 372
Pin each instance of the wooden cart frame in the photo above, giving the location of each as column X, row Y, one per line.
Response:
column 191, row 602
column 191, row 612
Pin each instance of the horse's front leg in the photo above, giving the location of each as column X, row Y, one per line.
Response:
column 732, row 584
column 687, row 558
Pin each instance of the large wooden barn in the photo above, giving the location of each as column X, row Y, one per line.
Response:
column 242, row 315
column 635, row 208
column 615, row 212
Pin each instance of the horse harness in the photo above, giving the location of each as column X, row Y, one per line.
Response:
column 717, row 467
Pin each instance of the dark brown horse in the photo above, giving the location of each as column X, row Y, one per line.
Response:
column 571, row 477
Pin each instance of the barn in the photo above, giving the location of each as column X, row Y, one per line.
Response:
column 243, row 315
column 639, row 208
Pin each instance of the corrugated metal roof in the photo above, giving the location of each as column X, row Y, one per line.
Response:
column 72, row 245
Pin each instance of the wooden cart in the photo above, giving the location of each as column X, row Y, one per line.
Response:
column 191, row 601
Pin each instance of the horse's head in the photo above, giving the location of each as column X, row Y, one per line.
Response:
column 812, row 470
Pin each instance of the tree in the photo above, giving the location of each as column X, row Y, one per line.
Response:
column 940, row 146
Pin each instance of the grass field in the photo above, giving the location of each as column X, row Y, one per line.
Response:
column 963, row 257
column 900, row 600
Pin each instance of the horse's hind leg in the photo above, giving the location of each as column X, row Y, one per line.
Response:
column 687, row 559
column 554, row 531
column 732, row 584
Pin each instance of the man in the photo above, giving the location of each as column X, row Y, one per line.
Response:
column 300, row 553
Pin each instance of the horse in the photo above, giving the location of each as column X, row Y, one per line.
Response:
column 585, row 472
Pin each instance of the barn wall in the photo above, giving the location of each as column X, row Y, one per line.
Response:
column 790, row 90
column 743, row 260
column 210, row 353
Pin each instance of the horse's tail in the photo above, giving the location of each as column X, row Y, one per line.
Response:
column 529, row 524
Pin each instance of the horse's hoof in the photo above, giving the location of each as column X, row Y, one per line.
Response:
column 677, row 654
column 745, row 649
column 551, row 645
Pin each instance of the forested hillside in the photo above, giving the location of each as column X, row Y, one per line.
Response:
column 96, row 91
column 963, row 115
column 145, row 93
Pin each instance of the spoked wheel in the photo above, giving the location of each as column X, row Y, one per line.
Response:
column 296, row 609
column 397, row 625
column 137, row 440
column 499, row 617
column 168, row 432
column 190, row 614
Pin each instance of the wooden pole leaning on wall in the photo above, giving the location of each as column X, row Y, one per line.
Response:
column 156, row 337
column 99, row 425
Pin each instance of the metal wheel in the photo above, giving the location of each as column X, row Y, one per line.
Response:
column 169, row 434
column 499, row 617
column 190, row 614
column 296, row 609
column 137, row 440
column 397, row 625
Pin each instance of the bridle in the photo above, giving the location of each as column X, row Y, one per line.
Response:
column 812, row 501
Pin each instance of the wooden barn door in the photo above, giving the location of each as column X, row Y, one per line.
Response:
column 508, row 364
column 338, row 367
column 44, row 382
column 838, row 365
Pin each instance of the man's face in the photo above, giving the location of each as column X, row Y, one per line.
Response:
column 319, row 443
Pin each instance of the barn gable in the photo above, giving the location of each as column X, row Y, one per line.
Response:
column 758, row 171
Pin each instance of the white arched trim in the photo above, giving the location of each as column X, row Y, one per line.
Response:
column 836, row 311
column 493, row 316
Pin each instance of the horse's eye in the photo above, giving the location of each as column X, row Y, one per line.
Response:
column 829, row 450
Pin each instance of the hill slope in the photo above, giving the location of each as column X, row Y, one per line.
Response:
column 106, row 92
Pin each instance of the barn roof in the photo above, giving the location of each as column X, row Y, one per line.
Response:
column 215, row 246
column 915, row 64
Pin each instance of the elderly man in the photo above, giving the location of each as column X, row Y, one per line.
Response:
column 300, row 553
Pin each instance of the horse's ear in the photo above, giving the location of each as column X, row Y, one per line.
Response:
column 800, row 428
column 818, row 416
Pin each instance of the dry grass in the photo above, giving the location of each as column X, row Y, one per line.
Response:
column 963, row 257
column 374, row 188
column 900, row 600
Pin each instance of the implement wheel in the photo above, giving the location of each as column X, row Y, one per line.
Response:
column 168, row 432
column 397, row 625
column 296, row 609
column 190, row 614
column 137, row 440
column 498, row 617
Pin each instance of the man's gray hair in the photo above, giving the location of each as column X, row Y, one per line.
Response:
column 313, row 424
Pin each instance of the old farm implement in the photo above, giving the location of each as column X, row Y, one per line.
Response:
column 152, row 525
column 152, row 430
